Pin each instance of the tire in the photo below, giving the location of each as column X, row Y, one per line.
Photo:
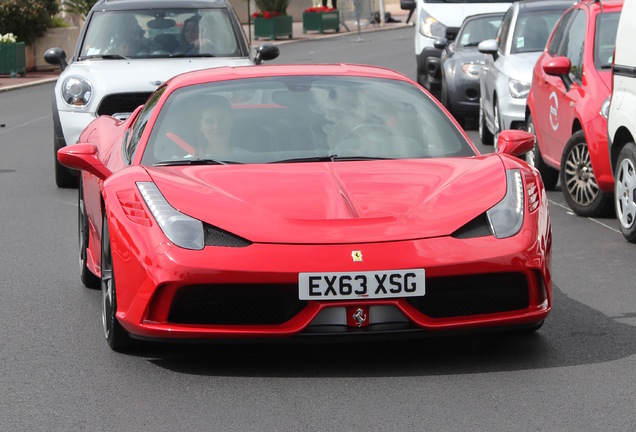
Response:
column 447, row 104
column 64, row 178
column 578, row 181
column 625, row 191
column 115, row 334
column 88, row 278
column 549, row 175
column 484, row 134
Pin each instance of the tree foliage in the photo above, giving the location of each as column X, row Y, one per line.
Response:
column 27, row 19
column 79, row 7
column 279, row 6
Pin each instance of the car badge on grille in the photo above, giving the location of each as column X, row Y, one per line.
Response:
column 359, row 317
column 356, row 255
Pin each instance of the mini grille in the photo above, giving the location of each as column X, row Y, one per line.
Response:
column 121, row 103
column 473, row 295
column 235, row 304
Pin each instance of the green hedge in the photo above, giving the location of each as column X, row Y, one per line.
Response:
column 26, row 19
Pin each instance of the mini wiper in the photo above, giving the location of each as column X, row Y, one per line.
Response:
column 104, row 57
column 196, row 161
column 183, row 55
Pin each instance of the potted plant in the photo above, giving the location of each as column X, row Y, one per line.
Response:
column 12, row 56
column 272, row 21
column 321, row 18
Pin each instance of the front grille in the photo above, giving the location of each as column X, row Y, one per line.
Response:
column 121, row 103
column 236, row 304
column 458, row 296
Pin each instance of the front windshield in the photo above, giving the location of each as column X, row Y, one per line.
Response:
column 533, row 30
column 160, row 33
column 478, row 30
column 301, row 119
column 605, row 39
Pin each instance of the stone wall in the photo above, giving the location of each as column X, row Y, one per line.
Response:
column 64, row 38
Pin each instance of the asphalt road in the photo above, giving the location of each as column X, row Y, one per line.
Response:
column 57, row 373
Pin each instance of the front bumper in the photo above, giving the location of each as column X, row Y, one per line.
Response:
column 252, row 292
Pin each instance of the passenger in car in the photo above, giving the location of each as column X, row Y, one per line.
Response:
column 189, row 40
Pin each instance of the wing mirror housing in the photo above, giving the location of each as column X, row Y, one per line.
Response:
column 515, row 142
column 560, row 67
column 265, row 52
column 56, row 56
column 489, row 46
column 83, row 157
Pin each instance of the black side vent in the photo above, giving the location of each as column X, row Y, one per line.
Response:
column 478, row 227
column 217, row 237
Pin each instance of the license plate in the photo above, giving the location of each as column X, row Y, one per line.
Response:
column 361, row 285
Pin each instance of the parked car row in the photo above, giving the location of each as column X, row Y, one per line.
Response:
column 564, row 72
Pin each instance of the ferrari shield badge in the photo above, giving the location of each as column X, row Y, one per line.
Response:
column 356, row 255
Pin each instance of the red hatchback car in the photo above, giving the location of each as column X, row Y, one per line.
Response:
column 568, row 103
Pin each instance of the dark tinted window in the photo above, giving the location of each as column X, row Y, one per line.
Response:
column 573, row 44
column 559, row 32
column 137, row 129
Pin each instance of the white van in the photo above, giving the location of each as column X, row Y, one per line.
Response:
column 435, row 19
column 621, row 122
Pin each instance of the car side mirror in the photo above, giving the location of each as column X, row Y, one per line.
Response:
column 267, row 51
column 440, row 43
column 408, row 5
column 56, row 56
column 83, row 157
column 515, row 142
column 489, row 46
column 560, row 67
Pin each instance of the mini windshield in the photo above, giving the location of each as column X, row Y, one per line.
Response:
column 160, row 33
column 302, row 119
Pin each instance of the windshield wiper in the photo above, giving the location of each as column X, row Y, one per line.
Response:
column 330, row 158
column 181, row 55
column 104, row 57
column 197, row 161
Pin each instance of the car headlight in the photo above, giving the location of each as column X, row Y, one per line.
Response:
column 506, row 217
column 471, row 69
column 181, row 229
column 430, row 27
column 605, row 107
column 76, row 91
column 518, row 89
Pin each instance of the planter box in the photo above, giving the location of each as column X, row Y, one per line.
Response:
column 12, row 59
column 273, row 28
column 321, row 21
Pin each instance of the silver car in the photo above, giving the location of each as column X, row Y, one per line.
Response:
column 506, row 75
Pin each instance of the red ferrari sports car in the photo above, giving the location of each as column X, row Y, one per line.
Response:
column 306, row 200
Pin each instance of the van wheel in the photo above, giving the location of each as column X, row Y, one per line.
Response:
column 625, row 191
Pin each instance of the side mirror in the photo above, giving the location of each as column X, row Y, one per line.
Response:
column 489, row 46
column 408, row 5
column 515, row 142
column 267, row 51
column 56, row 56
column 560, row 67
column 83, row 157
column 440, row 43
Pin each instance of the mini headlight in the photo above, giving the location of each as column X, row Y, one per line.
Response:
column 506, row 217
column 76, row 91
column 430, row 27
column 518, row 89
column 180, row 229
column 605, row 107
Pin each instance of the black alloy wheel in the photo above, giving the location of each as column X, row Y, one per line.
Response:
column 115, row 334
